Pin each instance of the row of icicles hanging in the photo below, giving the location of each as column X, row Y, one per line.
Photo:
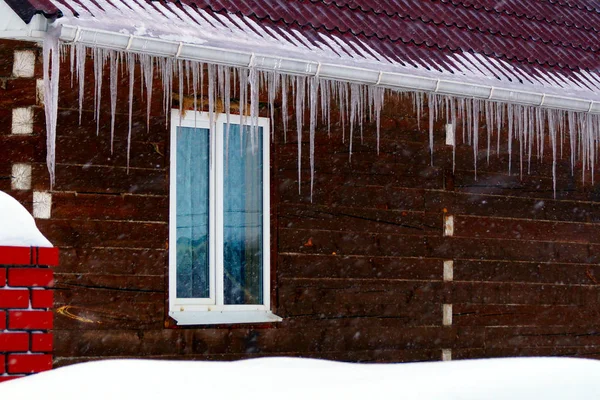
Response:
column 530, row 126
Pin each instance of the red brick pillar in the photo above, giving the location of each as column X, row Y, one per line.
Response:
column 26, row 310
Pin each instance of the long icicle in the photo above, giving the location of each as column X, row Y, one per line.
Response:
column 300, row 96
column 51, row 59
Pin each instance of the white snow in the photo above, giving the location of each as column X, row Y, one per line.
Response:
column 17, row 226
column 277, row 378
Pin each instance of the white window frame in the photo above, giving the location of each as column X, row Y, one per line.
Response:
column 212, row 310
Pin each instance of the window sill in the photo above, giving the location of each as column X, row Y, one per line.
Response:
column 223, row 317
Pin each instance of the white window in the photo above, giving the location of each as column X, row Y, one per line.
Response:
column 219, row 264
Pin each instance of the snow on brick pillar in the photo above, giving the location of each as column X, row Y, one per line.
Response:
column 26, row 310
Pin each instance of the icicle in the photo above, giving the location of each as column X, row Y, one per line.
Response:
column 273, row 81
column 212, row 83
column 80, row 59
column 300, row 97
column 147, row 70
column 463, row 117
column 197, row 69
column 475, row 118
column 314, row 87
column 552, row 132
column 499, row 119
column 355, row 96
column 489, row 117
column 284, row 105
column 378, row 98
column 418, row 99
column 572, row 139
column 510, row 116
column 131, row 68
column 51, row 58
column 114, row 72
column 181, row 77
column 254, row 103
column 167, row 70
column 99, row 61
column 431, row 100
column 454, row 125
column 243, row 80
column 227, row 103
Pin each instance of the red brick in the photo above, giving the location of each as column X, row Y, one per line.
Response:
column 14, row 298
column 2, row 276
column 2, row 363
column 28, row 255
column 28, row 363
column 30, row 320
column 30, row 277
column 42, row 298
column 41, row 342
column 14, row 341
column 2, row 320
column 9, row 378
column 47, row 256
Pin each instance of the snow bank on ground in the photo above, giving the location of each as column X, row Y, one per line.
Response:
column 17, row 226
column 277, row 378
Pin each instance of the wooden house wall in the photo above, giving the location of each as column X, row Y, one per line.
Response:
column 358, row 273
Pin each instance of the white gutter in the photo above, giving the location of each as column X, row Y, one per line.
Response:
column 200, row 53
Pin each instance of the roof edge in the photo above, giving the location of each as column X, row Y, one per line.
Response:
column 27, row 9
column 393, row 80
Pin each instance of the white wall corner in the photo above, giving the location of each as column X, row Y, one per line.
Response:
column 448, row 270
column 42, row 205
column 22, row 121
column 450, row 135
column 24, row 64
column 446, row 354
column 39, row 92
column 21, row 177
column 447, row 314
column 448, row 225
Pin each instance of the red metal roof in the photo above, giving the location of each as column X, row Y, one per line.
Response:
column 26, row 9
column 549, row 35
column 544, row 32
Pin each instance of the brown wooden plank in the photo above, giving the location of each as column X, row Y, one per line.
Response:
column 68, row 126
column 110, row 207
column 352, row 297
column 144, row 283
column 540, row 337
column 522, row 229
column 342, row 243
column 514, row 207
column 534, row 272
column 509, row 250
column 521, row 293
column 112, row 261
column 357, row 267
column 94, row 179
column 18, row 92
column 85, row 234
column 519, row 315
column 359, row 220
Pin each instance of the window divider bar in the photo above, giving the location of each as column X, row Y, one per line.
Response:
column 217, row 209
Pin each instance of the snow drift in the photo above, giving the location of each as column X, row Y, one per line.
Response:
column 276, row 378
column 17, row 226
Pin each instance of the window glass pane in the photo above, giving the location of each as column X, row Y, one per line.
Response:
column 243, row 216
column 192, row 213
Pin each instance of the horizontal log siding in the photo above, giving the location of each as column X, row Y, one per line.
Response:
column 358, row 272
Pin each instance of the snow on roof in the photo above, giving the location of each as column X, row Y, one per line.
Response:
column 17, row 226
column 550, row 48
column 296, row 378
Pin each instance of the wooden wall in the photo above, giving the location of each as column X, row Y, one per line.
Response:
column 359, row 272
